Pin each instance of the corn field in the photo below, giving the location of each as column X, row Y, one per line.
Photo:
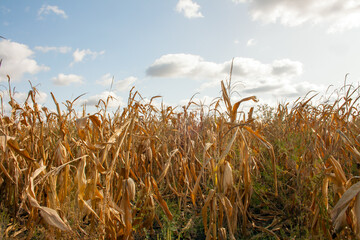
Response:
column 191, row 172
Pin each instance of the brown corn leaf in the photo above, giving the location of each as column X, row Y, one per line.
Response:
column 3, row 140
column 237, row 104
column 344, row 201
column 95, row 120
column 158, row 197
column 206, row 204
column 49, row 215
column 52, row 218
column 339, row 172
column 6, row 173
column 81, row 179
column 193, row 193
column 227, row 150
column 340, row 222
column 226, row 97
column 357, row 215
column 89, row 208
column 167, row 165
column 22, row 152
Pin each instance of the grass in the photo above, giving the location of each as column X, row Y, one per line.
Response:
column 142, row 172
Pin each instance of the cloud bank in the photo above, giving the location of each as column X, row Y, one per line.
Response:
column 256, row 77
column 339, row 15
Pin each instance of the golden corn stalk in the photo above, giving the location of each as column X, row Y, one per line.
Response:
column 289, row 172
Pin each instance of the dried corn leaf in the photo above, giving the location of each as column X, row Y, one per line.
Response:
column 81, row 179
column 340, row 222
column 167, row 165
column 49, row 215
column 357, row 215
column 206, row 205
column 3, row 140
column 193, row 193
column 52, row 218
column 339, row 172
column 89, row 208
column 6, row 173
column 13, row 144
column 95, row 120
column 227, row 150
column 161, row 201
column 344, row 201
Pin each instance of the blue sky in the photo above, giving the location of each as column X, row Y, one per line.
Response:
column 281, row 49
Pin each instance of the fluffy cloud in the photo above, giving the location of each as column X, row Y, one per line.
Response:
column 184, row 66
column 340, row 15
column 195, row 67
column 47, row 9
column 79, row 55
column 189, row 8
column 256, row 77
column 46, row 49
column 65, row 80
column 118, row 85
column 17, row 60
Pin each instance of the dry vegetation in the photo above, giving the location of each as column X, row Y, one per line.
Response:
column 143, row 172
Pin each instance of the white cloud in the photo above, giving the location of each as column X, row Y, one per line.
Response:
column 184, row 66
column 339, row 15
column 236, row 41
column 251, row 42
column 118, row 85
column 47, row 9
column 17, row 60
column 255, row 77
column 46, row 49
column 105, row 80
column 79, row 55
column 114, row 102
column 195, row 67
column 65, row 80
column 189, row 8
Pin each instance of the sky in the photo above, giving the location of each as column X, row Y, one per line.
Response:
column 281, row 49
